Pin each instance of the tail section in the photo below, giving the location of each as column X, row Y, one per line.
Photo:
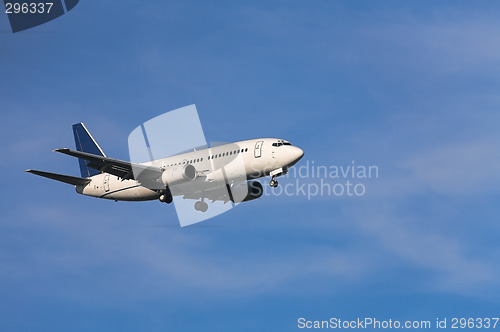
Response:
column 61, row 177
column 86, row 143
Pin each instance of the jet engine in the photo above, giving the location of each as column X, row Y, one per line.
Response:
column 247, row 191
column 176, row 175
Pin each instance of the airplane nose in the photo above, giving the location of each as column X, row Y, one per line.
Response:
column 296, row 154
column 299, row 153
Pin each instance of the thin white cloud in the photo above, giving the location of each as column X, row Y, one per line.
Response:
column 135, row 263
column 444, row 256
column 466, row 168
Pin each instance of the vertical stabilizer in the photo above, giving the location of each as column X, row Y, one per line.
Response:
column 86, row 143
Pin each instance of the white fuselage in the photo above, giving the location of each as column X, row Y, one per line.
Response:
column 216, row 166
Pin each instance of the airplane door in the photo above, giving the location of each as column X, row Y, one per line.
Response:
column 258, row 149
column 106, row 182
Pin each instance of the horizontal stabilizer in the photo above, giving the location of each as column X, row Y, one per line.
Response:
column 76, row 181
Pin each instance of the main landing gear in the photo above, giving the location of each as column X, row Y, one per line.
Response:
column 201, row 206
column 166, row 197
column 273, row 183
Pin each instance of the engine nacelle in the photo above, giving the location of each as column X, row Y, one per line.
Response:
column 247, row 191
column 179, row 174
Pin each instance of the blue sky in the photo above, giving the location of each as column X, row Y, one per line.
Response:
column 411, row 87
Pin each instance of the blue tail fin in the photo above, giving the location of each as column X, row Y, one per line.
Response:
column 86, row 143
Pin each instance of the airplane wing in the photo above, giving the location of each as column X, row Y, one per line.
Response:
column 120, row 168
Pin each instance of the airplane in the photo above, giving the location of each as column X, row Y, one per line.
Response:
column 220, row 173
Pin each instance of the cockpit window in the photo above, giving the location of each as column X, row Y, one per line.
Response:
column 281, row 142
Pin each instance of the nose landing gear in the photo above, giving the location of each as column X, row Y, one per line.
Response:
column 274, row 174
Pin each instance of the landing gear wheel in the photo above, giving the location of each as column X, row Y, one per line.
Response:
column 273, row 183
column 201, row 206
column 204, row 207
column 165, row 198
